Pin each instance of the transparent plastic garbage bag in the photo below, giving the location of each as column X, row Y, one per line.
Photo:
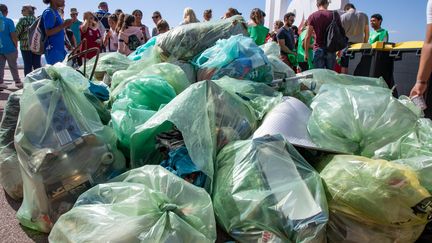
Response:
column 265, row 191
column 148, row 204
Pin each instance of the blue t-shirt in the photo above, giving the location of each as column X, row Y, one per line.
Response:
column 5, row 36
column 55, row 44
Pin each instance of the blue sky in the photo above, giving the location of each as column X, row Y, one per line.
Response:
column 404, row 19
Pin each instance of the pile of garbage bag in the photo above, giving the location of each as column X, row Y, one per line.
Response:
column 280, row 69
column 140, row 51
column 264, row 191
column 63, row 147
column 186, row 41
column 148, row 204
column 237, row 57
column 374, row 200
column 109, row 63
column 10, row 175
column 358, row 119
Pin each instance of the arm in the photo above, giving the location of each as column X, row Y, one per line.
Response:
column 366, row 34
column 14, row 38
column 19, row 28
column 307, row 41
column 49, row 19
column 425, row 67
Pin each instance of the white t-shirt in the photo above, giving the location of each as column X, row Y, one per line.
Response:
column 429, row 12
column 112, row 42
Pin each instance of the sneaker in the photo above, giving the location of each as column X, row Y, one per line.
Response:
column 19, row 85
column 3, row 86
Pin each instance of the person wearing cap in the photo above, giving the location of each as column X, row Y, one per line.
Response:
column 75, row 27
column 31, row 61
column 8, row 51
column 156, row 17
column 257, row 31
column 207, row 15
column 102, row 14
column 378, row 33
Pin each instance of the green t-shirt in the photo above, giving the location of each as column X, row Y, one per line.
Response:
column 301, row 50
column 379, row 35
column 258, row 33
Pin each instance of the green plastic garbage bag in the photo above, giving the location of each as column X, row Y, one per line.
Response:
column 418, row 142
column 260, row 96
column 237, row 57
column 357, row 119
column 186, row 41
column 422, row 165
column 10, row 175
column 109, row 62
column 139, row 101
column 140, row 51
column 208, row 118
column 265, row 190
column 280, row 69
column 148, row 204
column 173, row 74
column 63, row 147
column 377, row 196
column 149, row 57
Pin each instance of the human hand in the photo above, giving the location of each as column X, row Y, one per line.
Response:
column 419, row 89
column 306, row 56
column 67, row 23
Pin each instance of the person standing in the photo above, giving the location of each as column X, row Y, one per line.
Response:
column 208, row 15
column 318, row 23
column 286, row 41
column 425, row 67
column 8, row 51
column 130, row 36
column 378, row 33
column 54, row 30
column 111, row 38
column 156, row 17
column 257, row 31
column 90, row 32
column 356, row 26
column 75, row 27
column 302, row 63
column 189, row 17
column 102, row 14
column 273, row 34
column 31, row 61
column 163, row 26
column 138, row 18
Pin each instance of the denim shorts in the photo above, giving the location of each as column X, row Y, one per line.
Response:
column 324, row 59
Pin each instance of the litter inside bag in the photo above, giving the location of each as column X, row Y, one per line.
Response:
column 218, row 118
column 10, row 175
column 265, row 189
column 62, row 146
column 237, row 57
column 186, row 41
column 280, row 69
column 375, row 193
column 108, row 63
column 148, row 204
column 140, row 51
column 358, row 119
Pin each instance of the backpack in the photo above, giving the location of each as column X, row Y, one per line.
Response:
column 133, row 42
column 37, row 36
column 336, row 39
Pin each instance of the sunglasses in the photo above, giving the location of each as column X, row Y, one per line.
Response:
column 155, row 17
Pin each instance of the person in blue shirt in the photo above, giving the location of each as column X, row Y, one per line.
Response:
column 54, row 29
column 8, row 51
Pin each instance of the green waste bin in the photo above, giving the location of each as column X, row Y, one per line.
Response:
column 371, row 61
column 406, row 59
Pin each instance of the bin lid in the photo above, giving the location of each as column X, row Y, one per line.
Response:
column 408, row 45
column 379, row 45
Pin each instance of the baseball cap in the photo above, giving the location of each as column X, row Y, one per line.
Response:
column 73, row 11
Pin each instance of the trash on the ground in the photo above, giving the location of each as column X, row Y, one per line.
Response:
column 148, row 204
column 186, row 41
column 280, row 69
column 108, row 63
column 237, row 57
column 10, row 175
column 358, row 119
column 264, row 191
column 374, row 200
column 63, row 148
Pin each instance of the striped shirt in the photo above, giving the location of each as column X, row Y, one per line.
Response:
column 21, row 30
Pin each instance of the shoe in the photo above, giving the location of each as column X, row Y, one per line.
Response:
column 19, row 85
column 3, row 86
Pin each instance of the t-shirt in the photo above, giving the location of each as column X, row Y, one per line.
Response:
column 7, row 44
column 354, row 23
column 379, row 35
column 91, row 35
column 320, row 20
column 112, row 41
column 288, row 36
column 429, row 12
column 300, row 49
column 258, row 33
column 52, row 19
column 154, row 32
column 75, row 27
column 102, row 16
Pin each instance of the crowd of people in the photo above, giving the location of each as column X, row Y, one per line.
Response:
column 301, row 48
